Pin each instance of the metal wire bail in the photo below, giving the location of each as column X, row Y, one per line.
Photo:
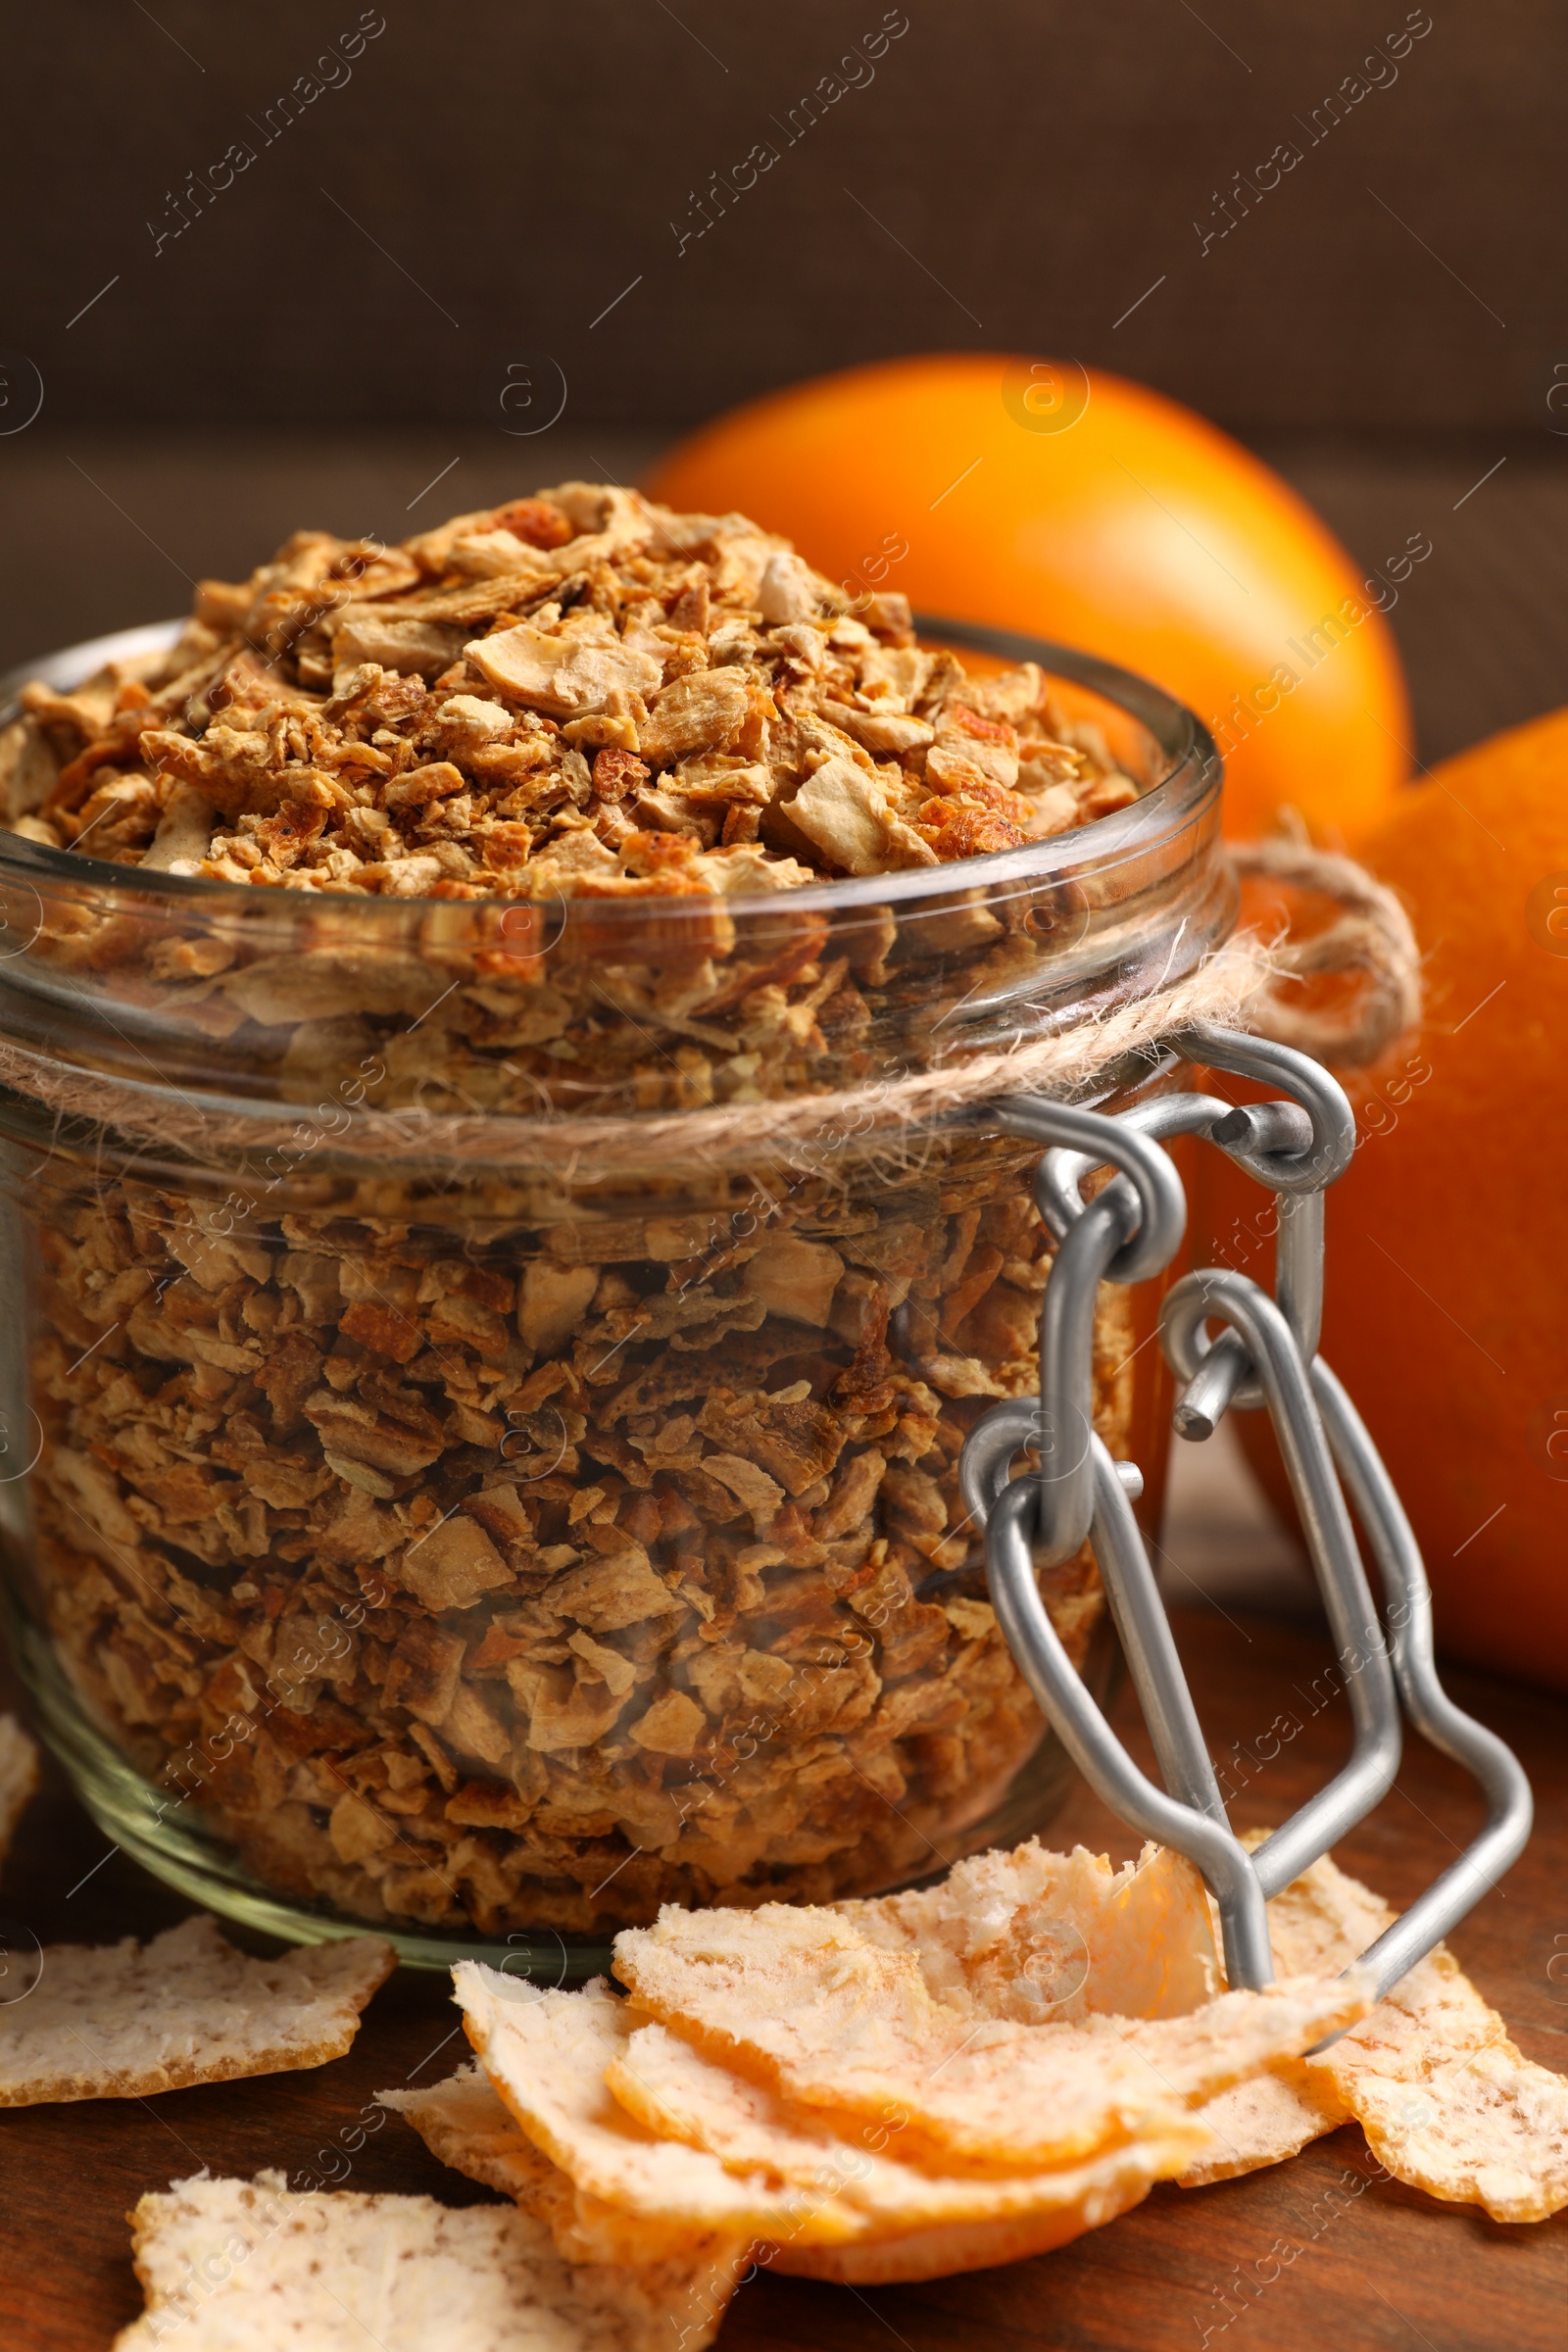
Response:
column 1264, row 1357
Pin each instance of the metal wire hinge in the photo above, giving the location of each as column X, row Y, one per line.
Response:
column 1265, row 1357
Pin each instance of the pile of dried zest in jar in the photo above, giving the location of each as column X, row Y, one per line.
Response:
column 524, row 1553
column 537, row 1586
column 578, row 692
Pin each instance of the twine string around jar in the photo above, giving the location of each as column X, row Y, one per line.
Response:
column 1241, row 984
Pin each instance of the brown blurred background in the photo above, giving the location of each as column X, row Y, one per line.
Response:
column 317, row 263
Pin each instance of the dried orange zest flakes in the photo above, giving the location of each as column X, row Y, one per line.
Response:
column 574, row 693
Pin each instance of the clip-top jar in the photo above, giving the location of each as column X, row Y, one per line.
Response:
column 490, row 1505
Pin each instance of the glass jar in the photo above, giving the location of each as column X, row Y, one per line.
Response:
column 483, row 1382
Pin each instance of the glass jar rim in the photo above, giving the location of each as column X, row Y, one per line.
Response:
column 1189, row 781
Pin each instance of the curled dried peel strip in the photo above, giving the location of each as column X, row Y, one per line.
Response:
column 850, row 2201
column 1040, row 1937
column 778, row 2174
column 799, row 2000
column 966, row 2225
column 1106, row 2186
column 676, row 2091
column 1447, row 2100
column 465, row 2124
column 547, row 2056
column 888, row 2219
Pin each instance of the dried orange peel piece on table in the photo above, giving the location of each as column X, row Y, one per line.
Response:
column 1034, row 1936
column 837, row 2026
column 230, row 2263
column 1447, row 2100
column 126, row 2021
column 967, row 2074
column 889, row 2178
column 679, row 2296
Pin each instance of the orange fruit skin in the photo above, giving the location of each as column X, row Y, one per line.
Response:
column 1124, row 525
column 1446, row 1307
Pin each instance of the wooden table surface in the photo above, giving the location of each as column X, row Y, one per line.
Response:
column 1337, row 2257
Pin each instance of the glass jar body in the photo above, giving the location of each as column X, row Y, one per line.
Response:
column 484, row 1577
column 466, row 1471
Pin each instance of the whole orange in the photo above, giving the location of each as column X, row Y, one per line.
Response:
column 1037, row 495
column 1446, row 1308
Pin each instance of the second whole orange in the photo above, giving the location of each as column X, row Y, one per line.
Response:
column 1445, row 1311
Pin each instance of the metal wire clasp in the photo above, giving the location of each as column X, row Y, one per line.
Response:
column 1265, row 1357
